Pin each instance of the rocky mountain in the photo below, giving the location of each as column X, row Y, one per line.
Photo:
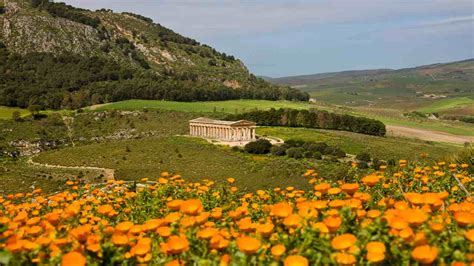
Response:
column 55, row 55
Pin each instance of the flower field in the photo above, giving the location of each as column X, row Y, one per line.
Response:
column 401, row 215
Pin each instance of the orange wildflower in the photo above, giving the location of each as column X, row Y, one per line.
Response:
column 248, row 245
column 424, row 254
column 73, row 258
column 296, row 260
column 343, row 241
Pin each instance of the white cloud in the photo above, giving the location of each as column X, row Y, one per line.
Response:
column 216, row 17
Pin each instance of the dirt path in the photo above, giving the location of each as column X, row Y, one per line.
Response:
column 109, row 174
column 97, row 106
column 425, row 134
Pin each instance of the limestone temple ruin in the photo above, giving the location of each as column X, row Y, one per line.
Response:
column 241, row 130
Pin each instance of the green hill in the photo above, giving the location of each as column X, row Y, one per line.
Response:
column 55, row 55
column 410, row 88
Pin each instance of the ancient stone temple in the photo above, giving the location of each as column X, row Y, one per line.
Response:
column 241, row 130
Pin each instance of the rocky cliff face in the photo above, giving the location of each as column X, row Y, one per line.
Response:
column 26, row 29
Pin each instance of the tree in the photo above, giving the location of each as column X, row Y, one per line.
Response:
column 261, row 146
column 34, row 110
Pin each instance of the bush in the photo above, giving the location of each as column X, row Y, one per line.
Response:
column 317, row 155
column 339, row 153
column 278, row 150
column 363, row 165
column 294, row 143
column 319, row 147
column 363, row 156
column 261, row 146
column 295, row 152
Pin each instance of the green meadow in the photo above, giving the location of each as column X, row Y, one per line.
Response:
column 448, row 104
column 7, row 112
column 230, row 106
column 380, row 147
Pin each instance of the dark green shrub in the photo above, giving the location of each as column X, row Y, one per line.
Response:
column 278, row 150
column 363, row 165
column 318, row 146
column 261, row 146
column 317, row 155
column 339, row 153
column 294, row 143
column 295, row 152
column 363, row 156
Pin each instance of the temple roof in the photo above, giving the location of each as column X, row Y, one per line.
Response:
column 205, row 120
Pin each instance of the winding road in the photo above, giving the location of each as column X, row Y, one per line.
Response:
column 109, row 174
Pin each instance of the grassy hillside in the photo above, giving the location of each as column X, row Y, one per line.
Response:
column 230, row 106
column 448, row 105
column 387, row 116
column 408, row 89
column 57, row 56
column 7, row 112
column 378, row 147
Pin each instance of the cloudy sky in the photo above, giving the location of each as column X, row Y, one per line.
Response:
column 279, row 38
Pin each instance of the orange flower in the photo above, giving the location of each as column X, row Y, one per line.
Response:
column 191, row 207
column 163, row 231
column 264, row 229
column 73, row 258
column 464, row 218
column 470, row 235
column 119, row 239
column 322, row 188
column 296, row 260
column 370, row 180
column 375, row 257
column 177, row 244
column 424, row 254
column 281, row 210
column 332, row 222
column 207, row 233
column 278, row 250
column 343, row 241
column 174, row 204
column 219, row 242
column 293, row 221
column 350, row 188
column 248, row 245
column 376, row 247
column 345, row 259
column 123, row 227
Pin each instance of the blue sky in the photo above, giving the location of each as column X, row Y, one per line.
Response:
column 280, row 38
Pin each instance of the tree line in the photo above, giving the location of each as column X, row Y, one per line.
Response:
column 313, row 119
column 71, row 81
column 66, row 11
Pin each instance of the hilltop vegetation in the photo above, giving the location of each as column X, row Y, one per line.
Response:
column 56, row 56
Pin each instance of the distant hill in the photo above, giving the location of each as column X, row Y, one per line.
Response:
column 54, row 55
column 402, row 87
column 308, row 79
